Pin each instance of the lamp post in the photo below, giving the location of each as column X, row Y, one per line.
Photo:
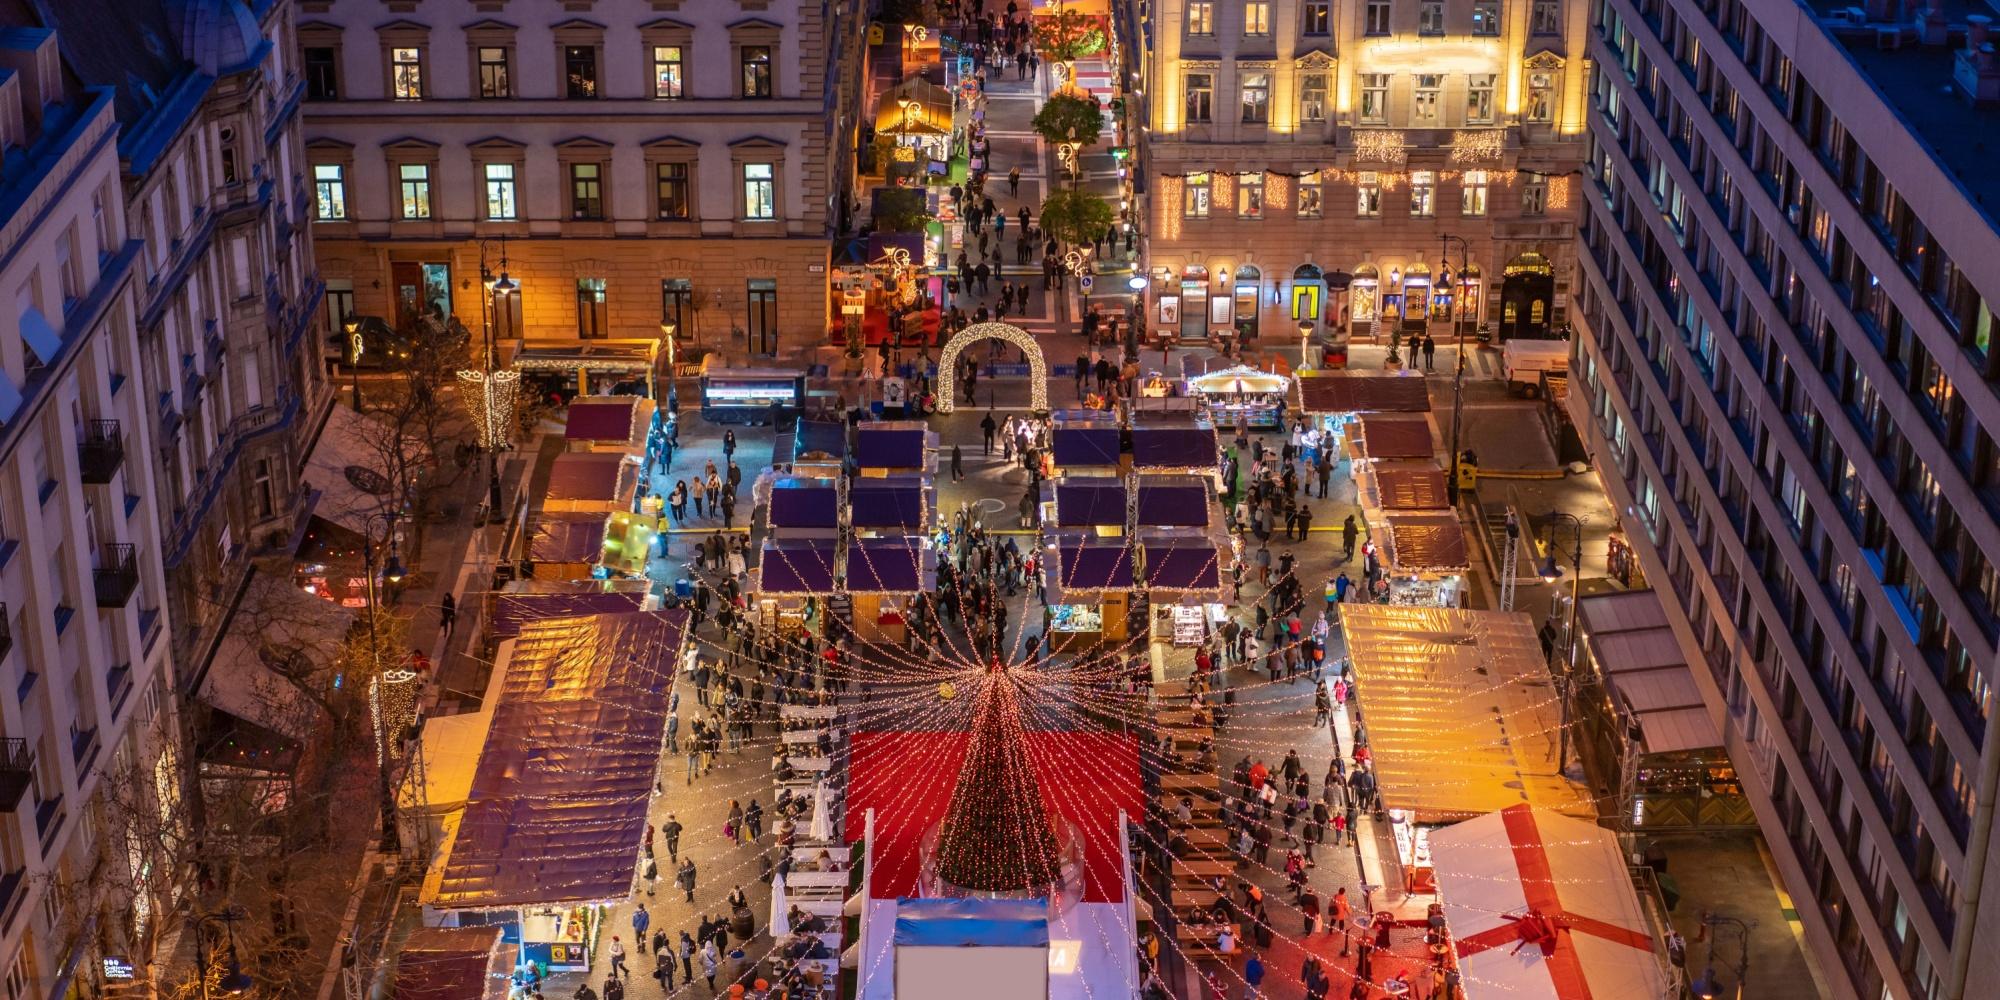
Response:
column 1708, row 987
column 233, row 982
column 498, row 288
column 1068, row 148
column 1305, row 343
column 1458, row 338
column 392, row 571
column 1395, row 332
column 1550, row 574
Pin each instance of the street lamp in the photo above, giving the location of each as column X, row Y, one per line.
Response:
column 1458, row 337
column 1068, row 148
column 1305, row 343
column 1708, row 986
column 233, row 982
column 392, row 571
column 1550, row 573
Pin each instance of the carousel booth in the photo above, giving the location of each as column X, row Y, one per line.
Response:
column 1643, row 719
column 1459, row 719
column 1089, row 582
column 895, row 447
column 1238, row 395
column 616, row 425
column 1540, row 904
column 889, row 558
column 550, row 837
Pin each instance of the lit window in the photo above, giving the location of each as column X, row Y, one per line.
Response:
column 672, row 184
column 586, row 191
column 1430, row 90
column 756, row 71
column 1200, row 17
column 416, row 190
column 1423, row 193
column 330, row 190
column 1312, row 97
column 1485, row 17
column 406, row 74
column 1317, row 18
column 493, row 73
column 1534, row 194
column 1368, row 195
column 1473, row 201
column 592, row 316
column 500, row 191
column 667, row 72
column 1375, row 97
column 1311, row 189
column 1256, row 97
column 1200, row 98
column 1250, row 195
column 1257, row 17
column 1194, row 196
column 580, row 71
column 1479, row 98
column 760, row 197
column 1541, row 96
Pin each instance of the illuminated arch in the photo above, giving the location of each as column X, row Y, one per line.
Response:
column 1038, row 370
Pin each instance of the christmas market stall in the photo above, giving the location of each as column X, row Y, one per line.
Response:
column 551, row 832
column 569, row 367
column 1424, row 560
column 1393, row 436
column 1541, row 905
column 566, row 546
column 1332, row 400
column 757, row 396
column 790, row 575
column 1089, row 582
column 800, row 504
column 618, row 425
column 889, row 447
column 1091, row 504
column 1234, row 395
column 582, row 483
column 1165, row 446
column 450, row 963
column 1460, row 717
column 883, row 575
column 1085, row 445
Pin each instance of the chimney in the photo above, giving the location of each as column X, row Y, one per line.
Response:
column 31, row 54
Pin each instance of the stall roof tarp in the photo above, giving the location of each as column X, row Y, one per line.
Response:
column 1185, row 564
column 1426, row 543
column 891, row 447
column 1396, row 437
column 969, row 923
column 1645, row 671
column 1353, row 391
column 896, row 502
column 889, row 565
column 1092, row 567
column 558, row 805
column 795, row 567
column 1173, row 448
column 815, row 438
column 1522, row 862
column 274, row 619
column 567, row 538
column 346, row 468
column 1462, row 713
column 1090, row 501
column 805, row 503
column 1085, row 446
column 581, row 478
column 514, row 612
column 444, row 963
column 1178, row 503
column 1405, row 486
column 602, row 419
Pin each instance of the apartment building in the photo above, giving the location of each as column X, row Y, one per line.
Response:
column 1789, row 249
column 1295, row 144
column 645, row 162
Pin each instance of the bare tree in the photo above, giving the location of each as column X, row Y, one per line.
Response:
column 419, row 437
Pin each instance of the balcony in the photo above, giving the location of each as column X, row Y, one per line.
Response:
column 100, row 451
column 116, row 575
column 83, row 746
column 17, row 772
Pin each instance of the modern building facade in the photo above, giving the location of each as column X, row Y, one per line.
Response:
column 1292, row 143
column 1786, row 372
column 646, row 162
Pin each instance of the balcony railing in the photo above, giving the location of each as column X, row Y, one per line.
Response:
column 100, row 451
column 17, row 772
column 117, row 575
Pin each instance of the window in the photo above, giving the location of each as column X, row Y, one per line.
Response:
column 406, row 73
column 1377, row 17
column 1430, row 90
column 1368, row 195
column 580, row 71
column 756, row 71
column 1545, row 18
column 322, row 65
column 762, row 314
column 1257, row 18
column 591, row 318
column 1201, row 17
column 263, row 490
column 1541, row 105
column 330, row 190
column 1311, row 189
column 671, row 190
column 760, row 195
column 1374, row 97
column 1200, row 98
column 667, row 72
column 500, row 201
column 493, row 72
column 1256, row 97
column 1317, row 18
column 1194, row 196
column 1473, row 195
column 1485, row 17
column 1423, row 193
column 586, row 191
column 1312, row 97
column 677, row 307
column 1430, row 17
column 416, row 190
column 1250, row 195
column 1479, row 98
column 1534, row 194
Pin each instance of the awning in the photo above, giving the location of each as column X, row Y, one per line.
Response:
column 1180, row 502
column 895, row 503
column 346, row 467
column 1403, row 486
column 1084, row 446
column 1187, row 565
column 890, row 565
column 1344, row 390
column 1085, row 566
column 612, row 419
column 795, row 567
column 274, row 623
column 1462, row 714
column 514, row 612
column 558, row 805
column 1173, row 448
column 566, row 538
column 444, row 963
column 1541, row 907
column 1426, row 543
column 583, row 482
column 798, row 502
column 40, row 336
column 634, row 354
column 1645, row 672
column 1090, row 502
column 890, row 447
column 1396, row 437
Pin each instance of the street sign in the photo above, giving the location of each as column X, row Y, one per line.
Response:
column 1085, row 281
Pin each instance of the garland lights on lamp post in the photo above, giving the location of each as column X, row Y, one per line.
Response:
column 1550, row 573
column 392, row 571
column 490, row 394
column 1458, row 338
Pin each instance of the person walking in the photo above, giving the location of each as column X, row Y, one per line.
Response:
column 753, row 817
column 618, row 957
column 986, row 429
column 1305, row 521
column 671, row 832
column 1253, row 976
column 709, row 960
column 685, row 878
column 1342, row 910
column 663, row 970
column 957, row 464
column 640, row 921
column 447, row 613
column 1430, row 353
column 1349, row 531
column 1014, row 175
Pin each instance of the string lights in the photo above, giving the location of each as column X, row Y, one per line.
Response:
column 489, row 397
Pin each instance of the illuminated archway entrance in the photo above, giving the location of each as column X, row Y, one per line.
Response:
column 1038, row 370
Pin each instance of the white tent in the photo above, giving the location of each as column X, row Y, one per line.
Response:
column 1541, row 906
column 821, row 828
column 781, row 921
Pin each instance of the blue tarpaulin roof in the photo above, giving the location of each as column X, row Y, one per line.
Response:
column 1090, row 502
column 1174, row 505
column 972, row 923
column 798, row 566
column 1182, row 564
column 1085, row 445
column 513, row 612
column 1095, row 567
column 819, row 437
column 897, row 502
column 1172, row 447
column 894, row 565
column 805, row 503
column 890, row 448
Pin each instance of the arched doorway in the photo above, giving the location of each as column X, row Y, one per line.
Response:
column 1416, row 296
column 1527, row 296
column 1249, row 281
column 1038, row 370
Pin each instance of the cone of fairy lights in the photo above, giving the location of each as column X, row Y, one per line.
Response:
column 996, row 837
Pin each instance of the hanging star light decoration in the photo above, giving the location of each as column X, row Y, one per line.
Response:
column 489, row 397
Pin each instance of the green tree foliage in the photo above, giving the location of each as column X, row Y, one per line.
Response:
column 901, row 210
column 1075, row 218
column 1064, row 114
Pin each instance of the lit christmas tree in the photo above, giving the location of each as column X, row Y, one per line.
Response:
column 996, row 837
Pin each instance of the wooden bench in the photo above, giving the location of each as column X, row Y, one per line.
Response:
column 1203, row 869
column 1185, row 900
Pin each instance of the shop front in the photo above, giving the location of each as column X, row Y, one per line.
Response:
column 1424, row 562
column 1416, row 303
column 567, row 368
column 1364, row 301
column 561, row 939
column 793, row 576
column 1188, row 312
column 1089, row 582
column 1527, row 297
column 1244, row 302
column 1333, row 402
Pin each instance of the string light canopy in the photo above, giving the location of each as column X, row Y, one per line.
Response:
column 489, row 397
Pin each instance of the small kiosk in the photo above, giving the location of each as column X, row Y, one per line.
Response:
column 1239, row 395
column 1164, row 446
column 566, row 546
column 617, row 425
column 892, row 447
column 790, row 576
column 889, row 558
column 1089, row 583
column 1089, row 445
column 590, row 483
column 1425, row 559
column 1333, row 399
column 749, row 395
